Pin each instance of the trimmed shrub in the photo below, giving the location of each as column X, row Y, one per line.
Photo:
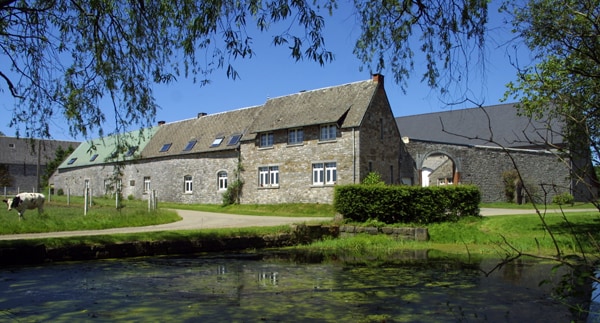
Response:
column 563, row 199
column 406, row 204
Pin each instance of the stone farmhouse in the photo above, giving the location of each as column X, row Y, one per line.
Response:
column 296, row 148
column 477, row 145
column 25, row 160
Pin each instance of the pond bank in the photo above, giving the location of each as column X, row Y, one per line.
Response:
column 28, row 254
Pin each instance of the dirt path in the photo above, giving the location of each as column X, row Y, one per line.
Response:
column 190, row 220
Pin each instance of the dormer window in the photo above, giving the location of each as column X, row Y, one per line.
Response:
column 266, row 140
column 165, row 147
column 217, row 142
column 234, row 140
column 190, row 145
column 295, row 136
column 328, row 132
column 131, row 151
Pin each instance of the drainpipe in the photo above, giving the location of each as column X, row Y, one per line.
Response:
column 353, row 156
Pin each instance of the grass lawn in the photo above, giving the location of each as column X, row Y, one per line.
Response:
column 488, row 235
column 102, row 214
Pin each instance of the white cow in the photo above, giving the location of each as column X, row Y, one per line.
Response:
column 26, row 201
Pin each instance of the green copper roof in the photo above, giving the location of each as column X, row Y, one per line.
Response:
column 103, row 150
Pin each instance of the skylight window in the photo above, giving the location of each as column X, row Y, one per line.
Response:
column 217, row 142
column 94, row 157
column 234, row 140
column 190, row 145
column 131, row 151
column 166, row 147
column 71, row 161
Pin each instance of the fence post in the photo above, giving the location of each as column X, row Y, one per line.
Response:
column 85, row 199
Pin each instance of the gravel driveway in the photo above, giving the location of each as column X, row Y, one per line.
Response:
column 190, row 220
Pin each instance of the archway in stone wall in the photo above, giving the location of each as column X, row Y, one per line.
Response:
column 438, row 168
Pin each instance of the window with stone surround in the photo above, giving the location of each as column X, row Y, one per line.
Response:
column 295, row 136
column 324, row 173
column 146, row 184
column 328, row 132
column 268, row 176
column 266, row 140
column 188, row 184
column 222, row 180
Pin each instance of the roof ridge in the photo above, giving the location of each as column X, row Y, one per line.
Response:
column 319, row 89
column 461, row 109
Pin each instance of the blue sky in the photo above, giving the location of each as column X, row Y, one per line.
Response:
column 273, row 73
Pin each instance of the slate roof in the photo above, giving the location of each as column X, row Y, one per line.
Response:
column 204, row 130
column 84, row 155
column 344, row 104
column 504, row 127
column 19, row 150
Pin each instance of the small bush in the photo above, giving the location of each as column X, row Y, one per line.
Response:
column 233, row 193
column 130, row 197
column 563, row 199
column 60, row 192
column 373, row 178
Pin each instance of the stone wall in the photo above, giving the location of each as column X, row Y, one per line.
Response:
column 380, row 142
column 417, row 234
column 166, row 178
column 295, row 167
column 483, row 167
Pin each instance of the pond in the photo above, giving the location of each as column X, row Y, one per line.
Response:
column 271, row 286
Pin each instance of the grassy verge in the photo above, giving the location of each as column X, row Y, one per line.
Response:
column 574, row 232
column 529, row 206
column 290, row 210
column 102, row 214
column 489, row 235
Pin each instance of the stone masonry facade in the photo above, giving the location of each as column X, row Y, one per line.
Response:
column 484, row 167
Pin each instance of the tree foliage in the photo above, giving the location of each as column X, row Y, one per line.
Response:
column 563, row 81
column 60, row 156
column 86, row 60
column 5, row 178
column 66, row 56
column 446, row 32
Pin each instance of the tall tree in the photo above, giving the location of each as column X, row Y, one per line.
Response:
column 563, row 81
column 66, row 55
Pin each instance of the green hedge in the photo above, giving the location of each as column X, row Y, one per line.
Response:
column 406, row 204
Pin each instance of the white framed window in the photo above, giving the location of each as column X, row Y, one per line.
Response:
column 146, row 184
column 266, row 139
column 188, row 184
column 295, row 136
column 222, row 180
column 268, row 176
column 324, row 173
column 328, row 132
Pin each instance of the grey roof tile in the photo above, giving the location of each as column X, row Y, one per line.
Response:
column 498, row 125
column 327, row 105
column 20, row 151
column 204, row 130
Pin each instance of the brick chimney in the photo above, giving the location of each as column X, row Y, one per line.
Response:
column 378, row 78
column 160, row 123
